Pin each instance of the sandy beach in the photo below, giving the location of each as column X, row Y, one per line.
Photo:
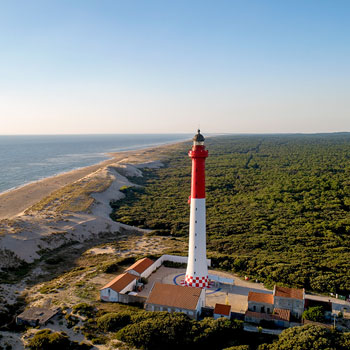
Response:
column 70, row 207
column 16, row 201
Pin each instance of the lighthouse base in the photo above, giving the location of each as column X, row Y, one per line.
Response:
column 201, row 282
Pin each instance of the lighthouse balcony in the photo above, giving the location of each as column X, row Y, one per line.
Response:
column 198, row 152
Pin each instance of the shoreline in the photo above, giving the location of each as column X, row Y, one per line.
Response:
column 107, row 155
column 14, row 202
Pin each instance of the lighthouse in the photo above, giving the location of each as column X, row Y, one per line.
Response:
column 197, row 269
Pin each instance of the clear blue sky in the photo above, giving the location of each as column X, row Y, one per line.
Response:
column 100, row 66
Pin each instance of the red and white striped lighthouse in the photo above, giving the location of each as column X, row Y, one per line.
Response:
column 197, row 268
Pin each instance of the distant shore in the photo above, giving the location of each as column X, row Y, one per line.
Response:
column 16, row 201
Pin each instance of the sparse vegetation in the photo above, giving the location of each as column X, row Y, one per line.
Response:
column 84, row 309
column 49, row 340
column 113, row 321
column 74, row 197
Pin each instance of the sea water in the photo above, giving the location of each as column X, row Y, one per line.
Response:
column 28, row 158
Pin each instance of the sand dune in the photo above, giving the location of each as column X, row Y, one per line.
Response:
column 15, row 202
column 47, row 214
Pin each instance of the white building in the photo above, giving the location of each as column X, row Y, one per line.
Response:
column 120, row 285
column 222, row 310
column 172, row 298
column 142, row 268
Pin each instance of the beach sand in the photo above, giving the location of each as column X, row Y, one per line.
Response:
column 16, row 201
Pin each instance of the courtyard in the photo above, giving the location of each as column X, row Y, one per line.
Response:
column 236, row 294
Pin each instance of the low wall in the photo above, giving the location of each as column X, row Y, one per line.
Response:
column 222, row 280
column 176, row 259
column 128, row 299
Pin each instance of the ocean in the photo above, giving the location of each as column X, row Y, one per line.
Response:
column 28, row 158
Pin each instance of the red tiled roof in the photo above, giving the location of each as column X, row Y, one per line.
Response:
column 269, row 317
column 120, row 282
column 282, row 314
column 289, row 292
column 260, row 297
column 141, row 265
column 221, row 309
column 174, row 296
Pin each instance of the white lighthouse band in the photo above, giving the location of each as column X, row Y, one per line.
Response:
column 197, row 268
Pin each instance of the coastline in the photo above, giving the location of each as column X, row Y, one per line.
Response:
column 15, row 201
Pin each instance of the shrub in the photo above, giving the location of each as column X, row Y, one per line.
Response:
column 71, row 320
column 162, row 331
column 110, row 267
column 84, row 309
column 54, row 260
column 98, row 340
column 84, row 346
column 46, row 339
column 113, row 321
column 308, row 337
column 207, row 332
column 315, row 314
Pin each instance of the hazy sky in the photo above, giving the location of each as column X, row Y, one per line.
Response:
column 71, row 66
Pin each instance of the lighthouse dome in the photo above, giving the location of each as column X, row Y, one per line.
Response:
column 198, row 137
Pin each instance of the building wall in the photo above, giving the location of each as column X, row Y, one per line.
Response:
column 194, row 314
column 296, row 306
column 257, row 320
column 145, row 273
column 260, row 307
column 109, row 294
column 154, row 307
column 127, row 299
column 149, row 271
column 216, row 316
column 201, row 301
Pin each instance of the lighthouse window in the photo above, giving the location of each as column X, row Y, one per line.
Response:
column 196, row 221
column 195, row 259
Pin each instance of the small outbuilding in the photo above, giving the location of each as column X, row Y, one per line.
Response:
column 120, row 285
column 222, row 310
column 142, row 268
column 36, row 316
column 173, row 298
